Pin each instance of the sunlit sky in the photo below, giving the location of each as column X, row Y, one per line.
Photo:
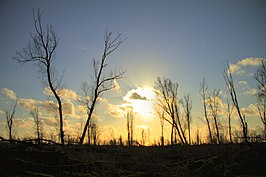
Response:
column 185, row 41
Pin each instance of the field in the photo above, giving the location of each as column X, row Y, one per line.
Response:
column 24, row 159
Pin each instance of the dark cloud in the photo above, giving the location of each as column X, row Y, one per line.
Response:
column 136, row 96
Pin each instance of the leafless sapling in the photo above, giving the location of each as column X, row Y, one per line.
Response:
column 41, row 50
column 102, row 82
column 229, row 109
column 203, row 91
column 10, row 116
column 260, row 77
column 187, row 106
column 214, row 109
column 38, row 125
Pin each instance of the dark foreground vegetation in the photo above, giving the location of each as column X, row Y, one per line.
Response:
column 27, row 159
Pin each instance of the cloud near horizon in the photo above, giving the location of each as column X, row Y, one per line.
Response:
column 238, row 67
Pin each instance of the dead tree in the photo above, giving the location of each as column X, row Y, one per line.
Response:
column 261, row 107
column 214, row 109
column 10, row 116
column 260, row 77
column 37, row 120
column 187, row 106
column 231, row 90
column 41, row 50
column 129, row 115
column 203, row 91
column 102, row 82
column 229, row 110
column 168, row 101
column 160, row 113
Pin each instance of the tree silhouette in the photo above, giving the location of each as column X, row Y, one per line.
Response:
column 260, row 77
column 10, row 116
column 214, row 109
column 231, row 89
column 187, row 106
column 37, row 120
column 168, row 101
column 129, row 115
column 102, row 82
column 41, row 50
column 203, row 91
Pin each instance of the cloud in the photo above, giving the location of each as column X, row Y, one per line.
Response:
column 250, row 110
column 118, row 111
column 68, row 108
column 252, row 91
column 2, row 112
column 117, row 86
column 28, row 103
column 9, row 93
column 238, row 67
column 145, row 94
column 66, row 94
column 243, row 83
column 136, row 96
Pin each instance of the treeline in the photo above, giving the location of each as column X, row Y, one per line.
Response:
column 170, row 108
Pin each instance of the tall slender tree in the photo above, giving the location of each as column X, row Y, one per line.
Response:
column 187, row 106
column 229, row 81
column 203, row 91
column 102, row 82
column 41, row 50
column 10, row 116
column 37, row 120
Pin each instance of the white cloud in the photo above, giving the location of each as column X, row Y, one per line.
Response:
column 9, row 93
column 117, row 86
column 66, row 94
column 252, row 91
column 250, row 110
column 238, row 67
column 243, row 83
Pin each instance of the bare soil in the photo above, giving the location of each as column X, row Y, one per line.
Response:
column 24, row 159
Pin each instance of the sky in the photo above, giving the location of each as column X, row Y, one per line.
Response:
column 185, row 41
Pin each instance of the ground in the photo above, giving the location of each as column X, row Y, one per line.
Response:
column 25, row 159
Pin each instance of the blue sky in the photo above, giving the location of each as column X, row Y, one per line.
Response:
column 182, row 40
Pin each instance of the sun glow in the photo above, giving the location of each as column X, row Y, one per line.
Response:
column 142, row 100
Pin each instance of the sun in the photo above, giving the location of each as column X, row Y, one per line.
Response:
column 141, row 100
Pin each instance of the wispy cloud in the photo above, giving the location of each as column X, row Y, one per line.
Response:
column 9, row 93
column 238, row 67
column 251, row 91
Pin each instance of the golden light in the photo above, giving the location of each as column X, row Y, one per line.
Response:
column 142, row 100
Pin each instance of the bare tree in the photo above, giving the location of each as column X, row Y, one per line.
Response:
column 229, row 110
column 102, row 82
column 261, row 107
column 231, row 89
column 260, row 77
column 160, row 113
column 203, row 91
column 187, row 106
column 41, row 50
column 10, row 116
column 129, row 115
column 214, row 109
column 37, row 120
column 168, row 101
